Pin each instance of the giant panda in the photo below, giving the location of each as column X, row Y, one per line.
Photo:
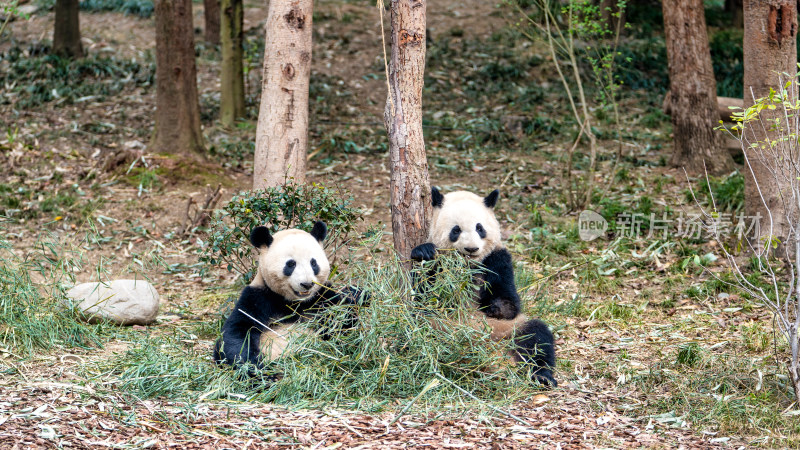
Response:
column 466, row 222
column 290, row 286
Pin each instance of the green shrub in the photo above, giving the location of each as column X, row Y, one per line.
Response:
column 141, row 8
column 278, row 208
column 34, row 80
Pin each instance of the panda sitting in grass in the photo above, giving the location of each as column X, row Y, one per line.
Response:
column 290, row 286
column 466, row 222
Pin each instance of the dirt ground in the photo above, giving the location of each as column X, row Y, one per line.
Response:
column 44, row 405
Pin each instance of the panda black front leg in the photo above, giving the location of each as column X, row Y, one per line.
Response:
column 241, row 335
column 424, row 252
column 498, row 297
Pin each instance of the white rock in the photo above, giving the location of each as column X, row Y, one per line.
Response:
column 127, row 302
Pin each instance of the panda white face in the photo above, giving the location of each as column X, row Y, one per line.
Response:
column 292, row 262
column 465, row 222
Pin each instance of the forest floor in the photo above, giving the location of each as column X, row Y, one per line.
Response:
column 653, row 351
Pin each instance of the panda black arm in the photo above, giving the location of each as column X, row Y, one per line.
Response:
column 499, row 298
column 241, row 335
column 423, row 252
column 327, row 296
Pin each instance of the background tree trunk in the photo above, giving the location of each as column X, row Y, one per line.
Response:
column 67, row 32
column 177, row 128
column 770, row 35
column 282, row 131
column 232, row 76
column 410, row 187
column 736, row 9
column 693, row 90
column 212, row 17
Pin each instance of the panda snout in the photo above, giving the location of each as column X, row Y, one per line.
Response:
column 470, row 249
column 307, row 286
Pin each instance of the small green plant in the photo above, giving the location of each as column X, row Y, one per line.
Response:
column 689, row 354
column 723, row 194
column 580, row 32
column 288, row 206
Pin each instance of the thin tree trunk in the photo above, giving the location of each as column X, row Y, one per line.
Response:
column 736, row 10
column 177, row 128
column 212, row 17
column 611, row 15
column 770, row 35
column 410, row 187
column 67, row 32
column 282, row 131
column 693, row 96
column 232, row 77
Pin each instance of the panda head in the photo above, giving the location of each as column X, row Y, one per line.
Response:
column 291, row 262
column 465, row 222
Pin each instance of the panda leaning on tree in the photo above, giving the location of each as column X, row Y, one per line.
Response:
column 290, row 287
column 466, row 222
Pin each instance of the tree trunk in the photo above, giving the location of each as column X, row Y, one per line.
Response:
column 611, row 16
column 282, row 131
column 211, row 14
column 232, row 77
column 177, row 128
column 67, row 31
column 410, row 187
column 693, row 96
column 736, row 9
column 770, row 35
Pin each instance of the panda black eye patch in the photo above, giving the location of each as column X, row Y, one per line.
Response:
column 455, row 233
column 314, row 266
column 289, row 267
column 481, row 231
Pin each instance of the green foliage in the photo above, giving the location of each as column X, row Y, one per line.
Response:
column 288, row 206
column 19, row 201
column 727, row 56
column 141, row 8
column 689, row 354
column 646, row 60
column 35, row 80
column 397, row 350
column 33, row 315
column 728, row 192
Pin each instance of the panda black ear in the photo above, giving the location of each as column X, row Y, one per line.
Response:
column 491, row 199
column 319, row 231
column 260, row 237
column 436, row 197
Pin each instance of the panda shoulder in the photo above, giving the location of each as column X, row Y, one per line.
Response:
column 499, row 258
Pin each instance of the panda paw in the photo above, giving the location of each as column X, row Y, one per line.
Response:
column 424, row 252
column 352, row 295
column 504, row 310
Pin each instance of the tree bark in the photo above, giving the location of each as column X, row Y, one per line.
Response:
column 177, row 128
column 232, row 77
column 282, row 130
column 770, row 36
column 410, row 186
column 67, row 32
column 212, row 16
column 693, row 96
